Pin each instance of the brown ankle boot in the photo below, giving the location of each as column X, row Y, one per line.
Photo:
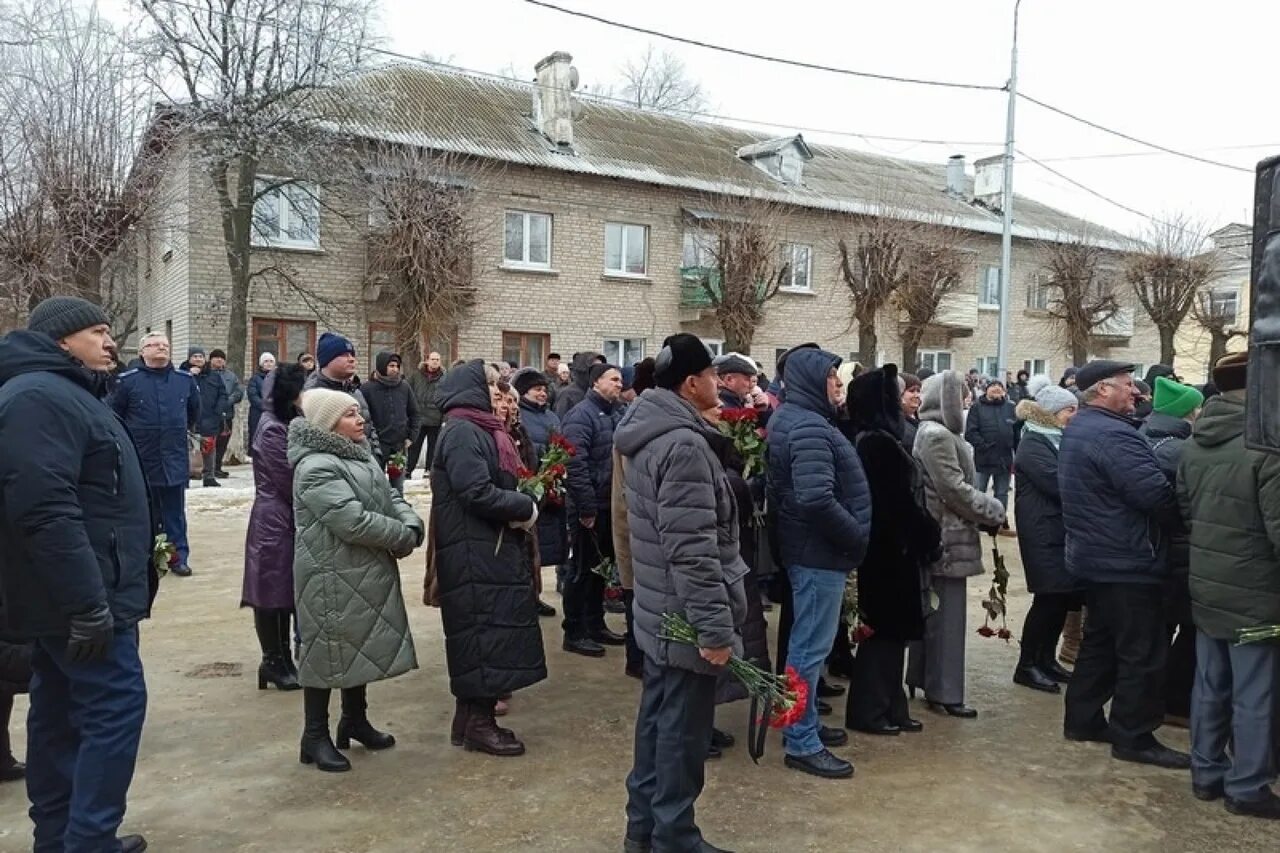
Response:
column 483, row 735
column 1072, row 633
column 461, row 712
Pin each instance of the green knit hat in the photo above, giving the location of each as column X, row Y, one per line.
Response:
column 1175, row 399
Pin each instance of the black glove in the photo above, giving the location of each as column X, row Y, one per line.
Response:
column 91, row 635
column 990, row 529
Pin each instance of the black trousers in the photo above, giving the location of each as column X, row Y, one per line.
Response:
column 427, row 435
column 584, row 589
column 635, row 658
column 673, row 728
column 1180, row 670
column 1043, row 625
column 876, row 697
column 220, row 446
column 1122, row 659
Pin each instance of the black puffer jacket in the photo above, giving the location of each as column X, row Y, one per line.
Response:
column 74, row 518
column 992, row 430
column 492, row 639
column 576, row 391
column 393, row 408
column 905, row 538
column 589, row 428
column 1041, row 535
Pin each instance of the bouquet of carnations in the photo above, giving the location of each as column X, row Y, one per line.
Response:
column 785, row 697
column 553, row 467
column 395, row 465
column 742, row 426
column 164, row 555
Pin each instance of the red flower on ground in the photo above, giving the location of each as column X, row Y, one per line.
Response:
column 987, row 631
column 1005, row 634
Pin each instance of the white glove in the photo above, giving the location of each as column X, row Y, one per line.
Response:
column 527, row 524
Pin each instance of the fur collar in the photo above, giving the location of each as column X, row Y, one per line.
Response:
column 305, row 439
column 1032, row 413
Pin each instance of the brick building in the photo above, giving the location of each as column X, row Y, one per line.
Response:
column 595, row 209
column 1225, row 298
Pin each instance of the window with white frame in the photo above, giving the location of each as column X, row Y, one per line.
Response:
column 988, row 366
column 527, row 240
column 1038, row 293
column 286, row 214
column 699, row 249
column 989, row 287
column 799, row 258
column 1222, row 305
column 623, row 352
column 935, row 359
column 716, row 347
column 626, row 249
column 1036, row 366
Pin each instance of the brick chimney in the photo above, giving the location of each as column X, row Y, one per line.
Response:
column 553, row 98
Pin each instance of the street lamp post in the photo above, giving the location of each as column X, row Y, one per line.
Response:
column 1006, row 205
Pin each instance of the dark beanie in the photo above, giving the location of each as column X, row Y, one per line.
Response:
column 60, row 316
column 218, row 353
column 682, row 356
column 599, row 369
column 384, row 359
column 331, row 346
column 194, row 351
column 1230, row 372
column 526, row 380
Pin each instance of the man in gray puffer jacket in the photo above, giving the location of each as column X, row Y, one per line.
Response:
column 684, row 551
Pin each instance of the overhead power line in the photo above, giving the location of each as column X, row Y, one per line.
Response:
column 1123, row 135
column 1091, row 191
column 796, row 63
column 1119, row 155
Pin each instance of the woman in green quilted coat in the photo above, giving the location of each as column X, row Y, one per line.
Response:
column 351, row 528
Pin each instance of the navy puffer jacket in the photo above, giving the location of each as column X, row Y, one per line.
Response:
column 1114, row 497
column 816, row 482
column 589, row 428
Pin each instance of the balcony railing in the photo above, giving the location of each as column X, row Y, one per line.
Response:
column 1120, row 325
column 958, row 311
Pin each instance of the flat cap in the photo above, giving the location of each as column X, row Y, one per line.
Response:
column 1099, row 369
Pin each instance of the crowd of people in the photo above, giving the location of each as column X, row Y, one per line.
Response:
column 855, row 507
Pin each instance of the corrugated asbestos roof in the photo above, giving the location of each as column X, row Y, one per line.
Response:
column 492, row 119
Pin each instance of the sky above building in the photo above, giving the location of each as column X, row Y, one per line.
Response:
column 1186, row 77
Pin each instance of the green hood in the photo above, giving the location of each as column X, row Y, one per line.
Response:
column 1222, row 420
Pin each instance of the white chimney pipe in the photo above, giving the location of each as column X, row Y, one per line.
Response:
column 553, row 99
column 956, row 176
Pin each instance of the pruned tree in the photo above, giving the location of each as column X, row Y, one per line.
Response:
column 1167, row 273
column 659, row 80
column 1081, row 299
column 936, row 265
column 424, row 241
column 251, row 80
column 872, row 267
column 1219, row 319
column 72, row 179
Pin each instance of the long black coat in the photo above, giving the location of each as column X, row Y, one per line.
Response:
column 992, row 430
column 1038, row 510
column 493, row 643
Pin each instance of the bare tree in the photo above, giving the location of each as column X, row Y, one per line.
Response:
column 745, row 265
column 1168, row 273
column 658, row 80
column 251, row 78
column 72, row 182
column 935, row 266
column 423, row 244
column 873, row 269
column 1081, row 298
column 1217, row 317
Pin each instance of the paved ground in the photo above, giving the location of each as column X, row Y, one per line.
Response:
column 219, row 767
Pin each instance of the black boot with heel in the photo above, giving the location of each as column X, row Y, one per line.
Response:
column 317, row 747
column 354, row 723
column 275, row 669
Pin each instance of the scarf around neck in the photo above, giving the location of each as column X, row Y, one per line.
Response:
column 1054, row 434
column 508, row 458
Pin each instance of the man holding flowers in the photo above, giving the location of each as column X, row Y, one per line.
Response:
column 684, row 548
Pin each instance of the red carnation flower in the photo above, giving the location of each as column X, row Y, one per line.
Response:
column 863, row 632
column 987, row 631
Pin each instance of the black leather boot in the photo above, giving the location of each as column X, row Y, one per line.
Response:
column 483, row 734
column 461, row 711
column 11, row 770
column 273, row 669
column 317, row 746
column 286, row 640
column 354, row 723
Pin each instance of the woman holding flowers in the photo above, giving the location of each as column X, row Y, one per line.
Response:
column 542, row 424
column 482, row 525
column 351, row 528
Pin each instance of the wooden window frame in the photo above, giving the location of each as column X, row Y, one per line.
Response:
column 524, row 360
column 282, row 338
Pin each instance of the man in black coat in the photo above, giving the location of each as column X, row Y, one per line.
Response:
column 215, row 410
column 75, row 572
column 589, row 428
column 394, row 410
column 991, row 429
column 568, row 396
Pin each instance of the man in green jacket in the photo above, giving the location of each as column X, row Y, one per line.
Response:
column 1230, row 496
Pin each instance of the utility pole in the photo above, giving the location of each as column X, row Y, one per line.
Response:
column 1006, row 205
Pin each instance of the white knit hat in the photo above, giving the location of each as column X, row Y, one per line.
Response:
column 1053, row 399
column 324, row 407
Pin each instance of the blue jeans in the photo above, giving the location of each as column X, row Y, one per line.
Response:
column 999, row 481
column 82, row 742
column 816, row 595
column 1234, row 702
